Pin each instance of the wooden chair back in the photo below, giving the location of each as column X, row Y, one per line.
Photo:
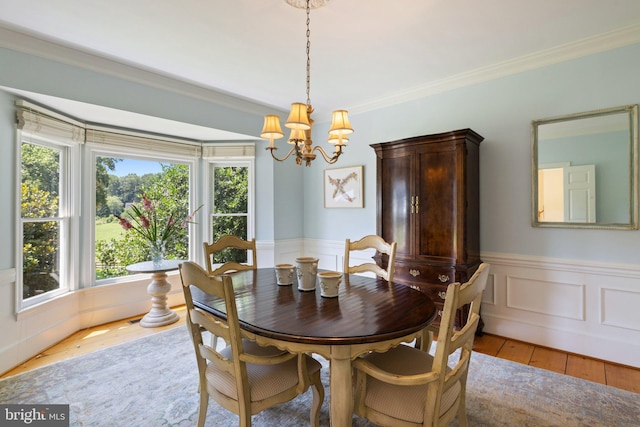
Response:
column 225, row 374
column 371, row 242
column 451, row 340
column 437, row 384
column 225, row 243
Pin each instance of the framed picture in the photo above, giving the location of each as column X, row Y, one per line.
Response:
column 343, row 188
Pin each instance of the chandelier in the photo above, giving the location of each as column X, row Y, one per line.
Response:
column 300, row 122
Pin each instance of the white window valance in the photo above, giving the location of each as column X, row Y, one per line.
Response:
column 140, row 141
column 35, row 120
column 230, row 150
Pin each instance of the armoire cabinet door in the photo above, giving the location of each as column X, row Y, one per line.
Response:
column 437, row 214
column 395, row 192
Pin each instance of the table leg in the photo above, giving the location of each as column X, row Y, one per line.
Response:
column 160, row 314
column 341, row 392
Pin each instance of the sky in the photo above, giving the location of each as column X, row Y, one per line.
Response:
column 138, row 167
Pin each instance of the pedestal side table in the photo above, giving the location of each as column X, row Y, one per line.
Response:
column 158, row 289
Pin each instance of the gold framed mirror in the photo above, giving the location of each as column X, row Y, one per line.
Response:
column 585, row 170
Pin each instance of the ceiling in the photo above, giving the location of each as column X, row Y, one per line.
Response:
column 364, row 53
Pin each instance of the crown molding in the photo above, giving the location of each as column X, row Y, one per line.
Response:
column 565, row 52
column 22, row 42
column 19, row 41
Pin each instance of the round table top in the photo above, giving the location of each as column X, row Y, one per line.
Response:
column 149, row 267
column 366, row 310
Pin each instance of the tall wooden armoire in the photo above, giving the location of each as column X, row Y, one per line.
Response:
column 428, row 202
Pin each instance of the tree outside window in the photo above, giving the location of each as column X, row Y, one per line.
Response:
column 41, row 219
column 168, row 189
column 230, row 208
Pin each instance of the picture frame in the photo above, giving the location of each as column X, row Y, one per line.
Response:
column 344, row 187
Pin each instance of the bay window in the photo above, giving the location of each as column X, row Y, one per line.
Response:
column 77, row 179
column 126, row 167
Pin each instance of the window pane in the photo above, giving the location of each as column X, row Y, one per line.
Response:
column 230, row 194
column 40, row 172
column 121, row 184
column 41, row 262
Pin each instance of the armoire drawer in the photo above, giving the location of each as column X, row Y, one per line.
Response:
column 424, row 274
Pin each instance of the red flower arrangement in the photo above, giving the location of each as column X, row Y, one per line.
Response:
column 146, row 223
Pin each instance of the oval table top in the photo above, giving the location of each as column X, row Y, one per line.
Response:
column 366, row 309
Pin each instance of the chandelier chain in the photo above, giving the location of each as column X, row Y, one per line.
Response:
column 308, row 54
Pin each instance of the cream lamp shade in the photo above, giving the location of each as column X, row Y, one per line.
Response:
column 298, row 117
column 340, row 123
column 271, row 128
column 297, row 135
column 338, row 139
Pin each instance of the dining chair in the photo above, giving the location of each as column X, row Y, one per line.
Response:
column 223, row 250
column 371, row 242
column 244, row 377
column 405, row 386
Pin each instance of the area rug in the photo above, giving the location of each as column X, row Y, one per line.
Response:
column 152, row 382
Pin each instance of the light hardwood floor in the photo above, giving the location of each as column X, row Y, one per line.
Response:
column 103, row 336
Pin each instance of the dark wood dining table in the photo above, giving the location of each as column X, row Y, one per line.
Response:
column 368, row 315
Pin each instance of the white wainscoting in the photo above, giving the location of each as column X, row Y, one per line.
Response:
column 31, row 331
column 547, row 297
column 582, row 307
column 587, row 308
column 620, row 308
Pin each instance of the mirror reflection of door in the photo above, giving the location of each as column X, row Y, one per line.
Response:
column 566, row 193
column 550, row 198
column 605, row 140
column 580, row 193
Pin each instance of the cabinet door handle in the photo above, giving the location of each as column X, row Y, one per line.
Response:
column 417, row 204
column 443, row 278
column 442, row 295
column 413, row 201
column 414, row 273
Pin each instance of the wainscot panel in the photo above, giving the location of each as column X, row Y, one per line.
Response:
column 546, row 297
column 584, row 308
column 621, row 308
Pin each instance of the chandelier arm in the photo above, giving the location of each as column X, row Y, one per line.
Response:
column 291, row 151
column 327, row 158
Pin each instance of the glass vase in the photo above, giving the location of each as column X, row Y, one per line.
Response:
column 157, row 253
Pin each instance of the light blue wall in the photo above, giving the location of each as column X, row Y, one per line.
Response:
column 500, row 110
column 23, row 71
column 289, row 196
column 30, row 73
column 7, row 181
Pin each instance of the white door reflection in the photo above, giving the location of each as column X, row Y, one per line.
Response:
column 567, row 193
